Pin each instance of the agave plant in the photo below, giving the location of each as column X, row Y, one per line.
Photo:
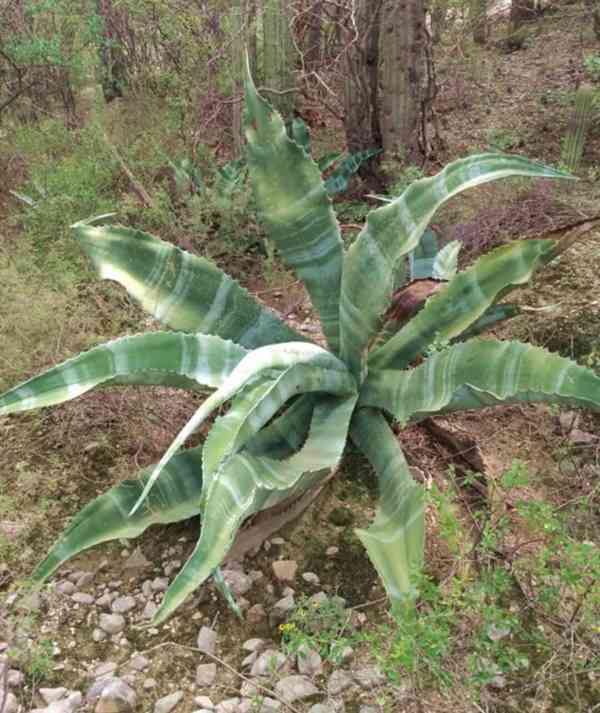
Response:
column 294, row 404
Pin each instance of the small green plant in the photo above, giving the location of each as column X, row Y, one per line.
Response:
column 504, row 139
column 293, row 403
column 320, row 625
column 591, row 64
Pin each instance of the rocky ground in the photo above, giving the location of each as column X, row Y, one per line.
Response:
column 88, row 612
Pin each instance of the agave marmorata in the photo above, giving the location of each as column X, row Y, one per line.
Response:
column 294, row 404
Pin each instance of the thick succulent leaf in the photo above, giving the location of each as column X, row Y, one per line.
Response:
column 393, row 230
column 479, row 373
column 301, row 134
column 490, row 318
column 244, row 485
column 106, row 518
column 287, row 433
column 445, row 264
column 395, row 540
column 156, row 358
column 295, row 208
column 338, row 180
column 335, row 377
column 226, row 592
column 422, row 259
column 181, row 290
column 452, row 310
column 253, row 410
column 328, row 160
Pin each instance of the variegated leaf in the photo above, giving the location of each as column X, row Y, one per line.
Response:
column 156, row 358
column 394, row 542
column 183, row 291
column 479, row 373
column 245, row 484
column 453, row 309
column 294, row 206
column 335, row 377
column 393, row 230
column 445, row 264
column 175, row 498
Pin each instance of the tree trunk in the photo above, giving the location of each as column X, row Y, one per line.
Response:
column 312, row 54
column 112, row 59
column 361, row 95
column 521, row 11
column 479, row 21
column 277, row 56
column 404, row 79
column 593, row 8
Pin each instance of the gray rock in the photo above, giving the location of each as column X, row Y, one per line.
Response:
column 84, row 579
column 256, row 614
column 51, row 695
column 368, row 709
column 98, row 635
column 107, row 668
column 171, row 567
column 15, row 678
column 266, row 705
column 281, row 609
column 207, row 640
column 296, row 688
column 231, row 705
column 253, row 645
column 332, row 551
column 320, row 708
column 309, row 662
column 111, row 623
column 369, row 677
column 168, row 703
column 122, row 605
column 285, row 570
column 338, row 681
column 147, row 588
column 311, row 578
column 206, row 674
column 116, row 697
column 10, row 702
column 149, row 610
column 104, row 601
column 149, row 683
column 160, row 584
column 250, row 689
column 204, row 702
column 65, row 587
column 82, row 598
column 238, row 582
column 68, row 705
column 139, row 662
column 269, row 662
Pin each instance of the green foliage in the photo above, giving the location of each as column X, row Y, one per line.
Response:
column 293, row 404
column 591, row 64
column 319, row 624
column 504, row 139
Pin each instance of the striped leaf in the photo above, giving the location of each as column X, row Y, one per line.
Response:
column 490, row 318
column 445, row 264
column 393, row 230
column 294, row 206
column 183, row 291
column 245, row 484
column 279, row 356
column 465, row 299
column 287, row 433
column 156, row 358
column 395, row 540
column 338, row 180
column 481, row 373
column 421, row 260
column 250, row 412
column 175, row 498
